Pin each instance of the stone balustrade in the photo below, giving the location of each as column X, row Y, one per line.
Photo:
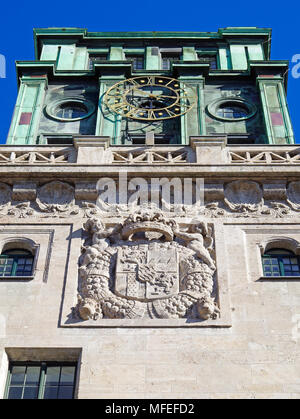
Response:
column 209, row 150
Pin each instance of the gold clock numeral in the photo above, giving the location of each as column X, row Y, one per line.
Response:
column 150, row 80
column 134, row 82
column 117, row 106
column 170, row 113
column 151, row 114
column 132, row 113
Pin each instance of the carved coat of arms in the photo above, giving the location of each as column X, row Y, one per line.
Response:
column 147, row 267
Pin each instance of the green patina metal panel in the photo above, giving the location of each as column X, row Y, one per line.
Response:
column 276, row 116
column 62, row 92
column 116, row 53
column 229, row 91
column 255, row 52
column 108, row 124
column 238, row 57
column 152, row 58
column 66, row 57
column 49, row 52
column 80, row 59
column 189, row 54
column 28, row 111
column 223, row 58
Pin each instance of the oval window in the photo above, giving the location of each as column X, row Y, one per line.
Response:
column 231, row 109
column 70, row 109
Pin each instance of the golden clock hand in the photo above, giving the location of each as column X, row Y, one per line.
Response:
column 172, row 97
column 141, row 92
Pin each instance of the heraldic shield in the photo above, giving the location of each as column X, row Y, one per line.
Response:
column 147, row 267
column 151, row 273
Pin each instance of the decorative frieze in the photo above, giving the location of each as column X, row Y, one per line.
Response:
column 238, row 198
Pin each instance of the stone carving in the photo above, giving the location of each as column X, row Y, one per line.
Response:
column 56, row 198
column 213, row 210
column 21, row 210
column 89, row 209
column 5, row 198
column 276, row 209
column 293, row 195
column 243, row 196
column 147, row 267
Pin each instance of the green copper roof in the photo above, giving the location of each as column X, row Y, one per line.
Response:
column 82, row 33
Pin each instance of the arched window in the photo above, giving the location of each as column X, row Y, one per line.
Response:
column 16, row 262
column 280, row 262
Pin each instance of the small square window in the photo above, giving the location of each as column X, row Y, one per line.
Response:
column 96, row 58
column 137, row 61
column 280, row 262
column 43, row 380
column 210, row 59
column 16, row 262
column 168, row 59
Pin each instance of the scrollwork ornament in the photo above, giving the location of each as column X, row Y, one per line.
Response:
column 57, row 198
column 243, row 196
column 147, row 267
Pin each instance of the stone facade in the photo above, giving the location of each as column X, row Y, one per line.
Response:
column 154, row 299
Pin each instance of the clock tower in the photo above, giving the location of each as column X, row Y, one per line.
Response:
column 168, row 85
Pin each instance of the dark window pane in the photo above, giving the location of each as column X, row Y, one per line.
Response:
column 18, row 375
column 15, row 393
column 94, row 58
column 32, row 376
column 65, row 392
column 52, row 375
column 282, row 264
column 138, row 61
column 25, row 381
column 50, row 393
column 67, row 375
column 210, row 59
column 30, row 392
column 167, row 60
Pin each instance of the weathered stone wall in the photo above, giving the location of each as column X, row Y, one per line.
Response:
column 258, row 356
column 250, row 350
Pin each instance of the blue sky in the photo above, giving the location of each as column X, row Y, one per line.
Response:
column 18, row 18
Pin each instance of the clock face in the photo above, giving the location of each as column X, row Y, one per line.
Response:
column 149, row 98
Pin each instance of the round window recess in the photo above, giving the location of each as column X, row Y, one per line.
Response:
column 70, row 109
column 231, row 110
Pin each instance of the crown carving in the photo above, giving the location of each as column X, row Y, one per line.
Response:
column 148, row 222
